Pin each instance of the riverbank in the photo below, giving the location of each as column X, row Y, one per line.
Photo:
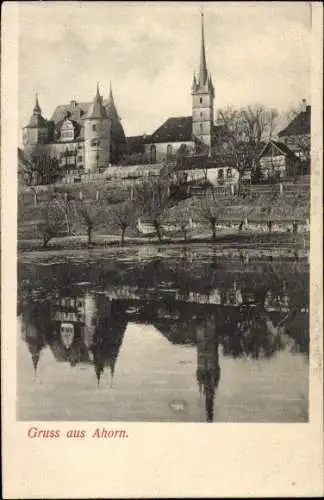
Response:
column 234, row 240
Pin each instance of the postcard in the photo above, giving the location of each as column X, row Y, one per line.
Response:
column 161, row 177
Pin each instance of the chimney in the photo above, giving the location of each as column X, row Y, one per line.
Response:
column 303, row 105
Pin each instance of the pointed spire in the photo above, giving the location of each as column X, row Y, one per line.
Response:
column 98, row 370
column 203, row 75
column 98, row 96
column 97, row 110
column 194, row 83
column 111, row 97
column 37, row 108
column 35, row 358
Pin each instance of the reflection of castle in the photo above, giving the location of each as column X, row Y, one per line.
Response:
column 35, row 341
column 78, row 329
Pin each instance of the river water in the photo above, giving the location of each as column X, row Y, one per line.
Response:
column 163, row 334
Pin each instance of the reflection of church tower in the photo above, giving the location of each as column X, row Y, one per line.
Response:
column 90, row 318
column 208, row 369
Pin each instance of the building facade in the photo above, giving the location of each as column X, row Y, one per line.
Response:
column 297, row 134
column 84, row 137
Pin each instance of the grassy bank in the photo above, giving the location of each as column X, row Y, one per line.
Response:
column 31, row 210
column 243, row 239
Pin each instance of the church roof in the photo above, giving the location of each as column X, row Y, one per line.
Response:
column 300, row 125
column 175, row 129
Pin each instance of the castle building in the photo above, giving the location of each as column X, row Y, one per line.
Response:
column 85, row 137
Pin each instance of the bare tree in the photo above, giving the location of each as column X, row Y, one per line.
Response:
column 89, row 212
column 43, row 169
column 125, row 215
column 245, row 130
column 211, row 210
column 248, row 199
column 55, row 221
column 151, row 199
column 296, row 202
column 269, row 203
column 185, row 221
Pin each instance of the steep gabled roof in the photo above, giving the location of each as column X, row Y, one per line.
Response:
column 280, row 147
column 175, row 129
column 300, row 125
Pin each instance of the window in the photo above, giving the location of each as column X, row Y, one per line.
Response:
column 79, row 159
column 229, row 173
column 201, row 100
column 201, row 115
column 201, row 127
column 94, row 127
column 169, row 151
column 94, row 142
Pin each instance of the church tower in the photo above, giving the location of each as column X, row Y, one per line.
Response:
column 203, row 94
column 96, row 136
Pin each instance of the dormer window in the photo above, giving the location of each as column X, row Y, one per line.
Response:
column 67, row 131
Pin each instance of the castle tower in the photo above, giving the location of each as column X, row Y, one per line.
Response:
column 118, row 144
column 36, row 132
column 203, row 94
column 96, row 136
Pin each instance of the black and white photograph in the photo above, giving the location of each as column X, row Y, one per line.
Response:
column 163, row 212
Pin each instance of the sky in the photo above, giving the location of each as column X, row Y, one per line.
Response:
column 257, row 52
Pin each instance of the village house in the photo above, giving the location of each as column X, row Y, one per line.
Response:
column 278, row 161
column 297, row 134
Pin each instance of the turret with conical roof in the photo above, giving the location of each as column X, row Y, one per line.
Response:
column 203, row 93
column 118, row 138
column 96, row 136
column 36, row 132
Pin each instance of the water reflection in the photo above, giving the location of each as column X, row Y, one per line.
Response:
column 209, row 312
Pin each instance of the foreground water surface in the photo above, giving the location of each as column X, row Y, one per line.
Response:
column 149, row 334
